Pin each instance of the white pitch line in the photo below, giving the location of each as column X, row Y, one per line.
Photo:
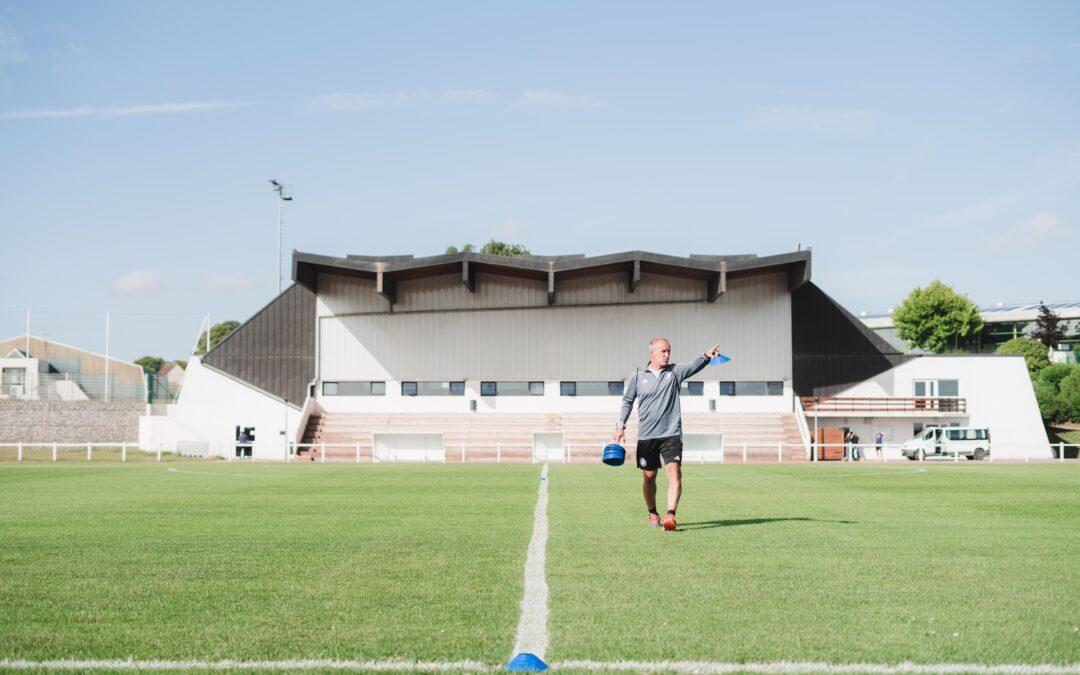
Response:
column 813, row 667
column 532, row 633
column 299, row 664
column 478, row 666
column 898, row 472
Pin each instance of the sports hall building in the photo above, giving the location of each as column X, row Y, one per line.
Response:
column 472, row 357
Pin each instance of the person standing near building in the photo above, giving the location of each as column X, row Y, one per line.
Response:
column 656, row 389
column 879, row 438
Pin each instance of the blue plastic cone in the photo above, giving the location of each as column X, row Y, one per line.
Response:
column 528, row 662
column 718, row 359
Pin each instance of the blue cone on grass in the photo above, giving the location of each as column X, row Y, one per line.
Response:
column 527, row 662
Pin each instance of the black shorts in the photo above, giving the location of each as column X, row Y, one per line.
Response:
column 650, row 450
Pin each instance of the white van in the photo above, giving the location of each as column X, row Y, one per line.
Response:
column 947, row 442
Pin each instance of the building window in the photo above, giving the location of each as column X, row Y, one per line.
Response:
column 591, row 388
column 692, row 389
column 512, row 388
column 433, row 388
column 936, row 388
column 751, row 388
column 948, row 388
column 356, row 388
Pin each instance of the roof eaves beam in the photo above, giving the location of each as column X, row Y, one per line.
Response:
column 468, row 275
column 384, row 284
column 635, row 274
column 717, row 283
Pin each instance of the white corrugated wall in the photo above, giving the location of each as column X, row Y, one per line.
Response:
column 752, row 323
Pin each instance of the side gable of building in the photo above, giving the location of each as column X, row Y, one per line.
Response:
column 831, row 349
column 275, row 349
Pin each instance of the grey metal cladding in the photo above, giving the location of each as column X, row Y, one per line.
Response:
column 831, row 349
column 274, row 350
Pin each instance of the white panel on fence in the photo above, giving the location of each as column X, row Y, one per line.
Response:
column 193, row 448
column 548, row 446
column 402, row 447
column 703, row 448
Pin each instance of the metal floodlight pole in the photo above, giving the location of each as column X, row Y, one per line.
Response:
column 107, row 387
column 280, row 190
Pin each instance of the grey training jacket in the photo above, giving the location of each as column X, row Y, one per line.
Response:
column 659, row 414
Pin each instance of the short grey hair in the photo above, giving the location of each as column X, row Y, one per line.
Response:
column 655, row 342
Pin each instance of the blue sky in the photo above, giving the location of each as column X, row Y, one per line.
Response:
column 904, row 142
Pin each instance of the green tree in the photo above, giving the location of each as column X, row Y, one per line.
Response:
column 151, row 364
column 1034, row 353
column 1069, row 396
column 183, row 364
column 493, row 248
column 936, row 317
column 218, row 332
column 1048, row 328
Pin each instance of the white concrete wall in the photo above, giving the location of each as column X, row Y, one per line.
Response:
column 998, row 392
column 550, row 402
column 211, row 406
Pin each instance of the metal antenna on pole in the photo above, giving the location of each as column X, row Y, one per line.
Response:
column 280, row 190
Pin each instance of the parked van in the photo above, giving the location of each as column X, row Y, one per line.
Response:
column 948, row 441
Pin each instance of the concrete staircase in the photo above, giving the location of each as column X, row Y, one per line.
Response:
column 508, row 437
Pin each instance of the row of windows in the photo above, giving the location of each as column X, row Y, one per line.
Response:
column 534, row 388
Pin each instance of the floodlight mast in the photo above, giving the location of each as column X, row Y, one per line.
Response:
column 279, row 189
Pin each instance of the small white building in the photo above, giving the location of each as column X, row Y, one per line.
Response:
column 992, row 392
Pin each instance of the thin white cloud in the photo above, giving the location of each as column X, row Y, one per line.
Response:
column 11, row 50
column 546, row 98
column 368, row 102
column 1036, row 231
column 124, row 111
column 818, row 120
column 136, row 283
column 228, row 281
column 425, row 98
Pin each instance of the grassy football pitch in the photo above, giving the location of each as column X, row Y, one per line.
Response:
column 839, row 564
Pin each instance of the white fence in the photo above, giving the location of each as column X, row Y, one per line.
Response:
column 503, row 453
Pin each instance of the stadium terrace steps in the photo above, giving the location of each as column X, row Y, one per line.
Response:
column 508, row 437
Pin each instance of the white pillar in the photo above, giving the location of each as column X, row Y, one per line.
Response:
column 358, row 452
column 88, row 446
column 107, row 387
column 123, row 452
column 20, row 452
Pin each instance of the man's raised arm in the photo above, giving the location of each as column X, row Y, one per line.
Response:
column 687, row 370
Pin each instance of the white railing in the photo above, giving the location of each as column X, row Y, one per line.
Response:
column 499, row 453
column 54, row 451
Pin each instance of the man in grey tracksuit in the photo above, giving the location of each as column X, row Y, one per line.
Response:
column 656, row 389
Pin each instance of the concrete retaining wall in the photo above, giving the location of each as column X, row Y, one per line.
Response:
column 69, row 421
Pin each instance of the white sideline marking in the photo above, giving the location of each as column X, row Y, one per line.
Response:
column 812, row 667
column 301, row 664
column 477, row 666
column 879, row 473
column 532, row 634
column 209, row 473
